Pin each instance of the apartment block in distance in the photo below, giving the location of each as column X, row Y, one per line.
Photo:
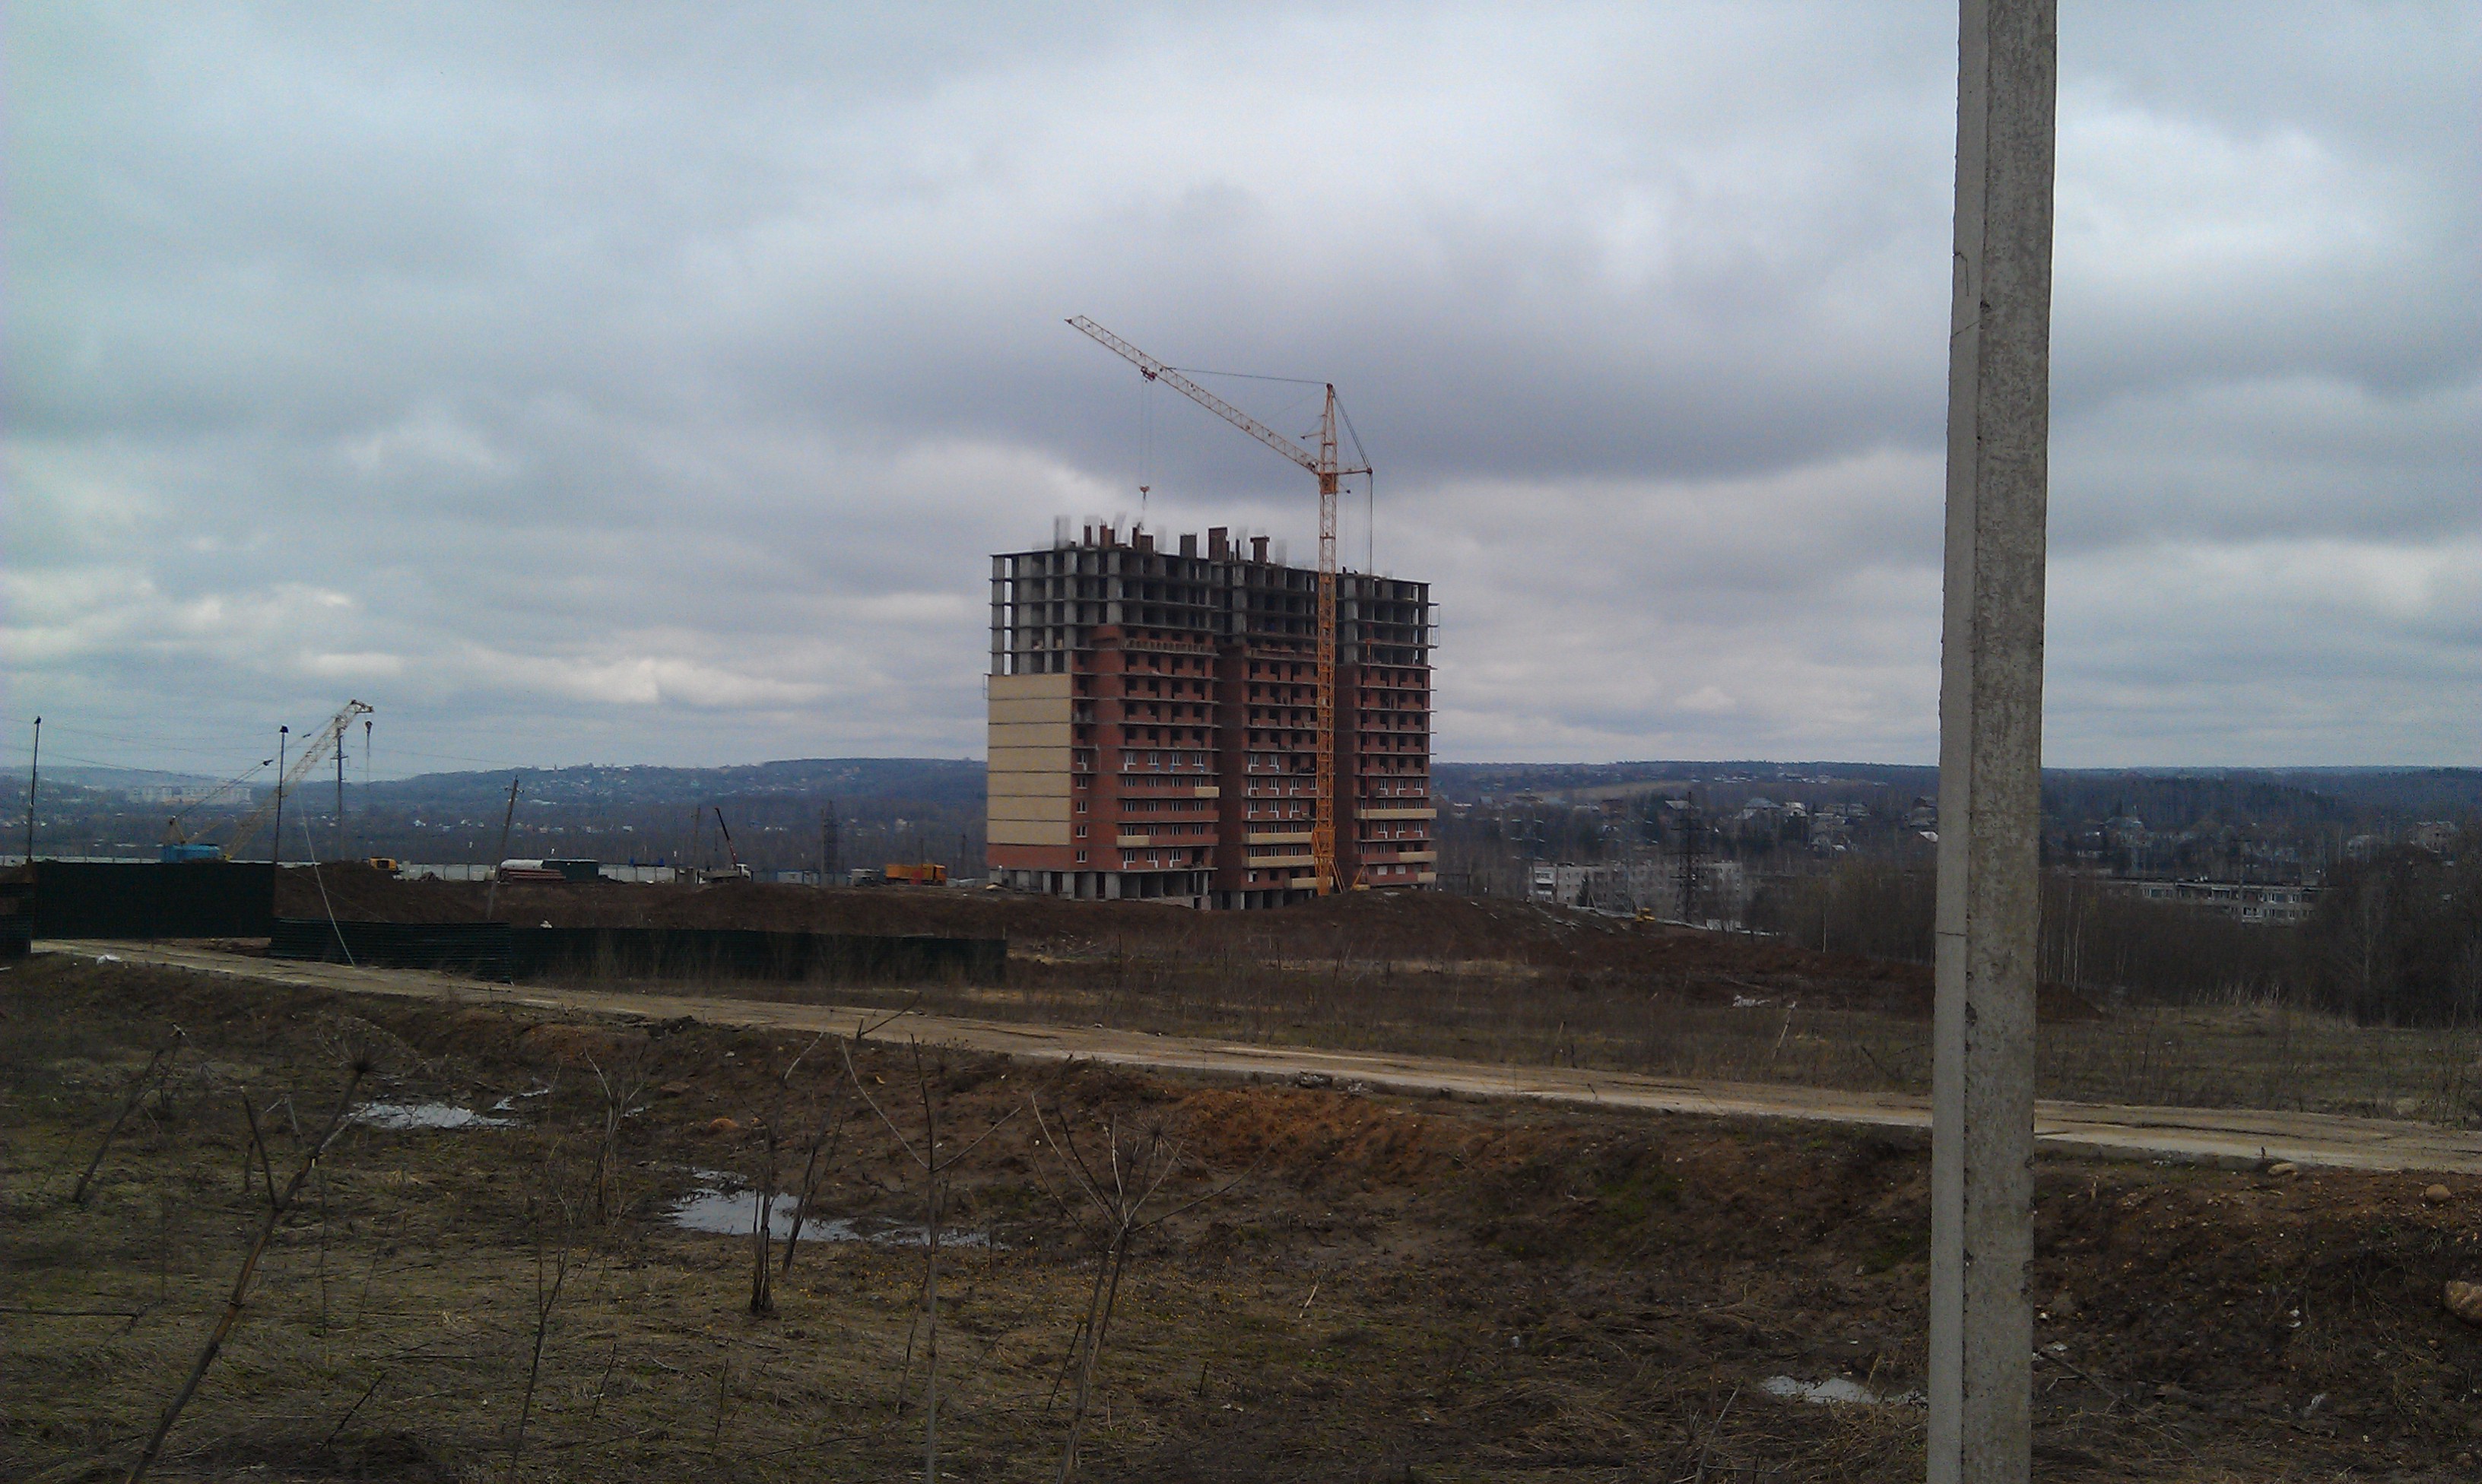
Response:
column 1153, row 722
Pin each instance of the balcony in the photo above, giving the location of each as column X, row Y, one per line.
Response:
column 1265, row 862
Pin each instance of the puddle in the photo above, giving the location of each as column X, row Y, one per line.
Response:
column 426, row 1115
column 723, row 1211
column 1836, row 1389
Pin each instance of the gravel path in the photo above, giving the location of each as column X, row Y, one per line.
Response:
column 2223, row 1135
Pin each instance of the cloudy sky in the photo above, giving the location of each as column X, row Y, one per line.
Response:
column 650, row 383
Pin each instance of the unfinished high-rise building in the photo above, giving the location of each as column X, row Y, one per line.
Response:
column 1154, row 723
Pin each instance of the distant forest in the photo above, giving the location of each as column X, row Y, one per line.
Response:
column 796, row 814
column 789, row 816
column 2395, row 939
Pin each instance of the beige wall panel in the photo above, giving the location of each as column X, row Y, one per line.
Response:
column 1029, row 734
column 1023, row 687
column 1031, row 708
column 1046, row 785
column 1025, row 806
column 1030, row 760
column 1028, row 832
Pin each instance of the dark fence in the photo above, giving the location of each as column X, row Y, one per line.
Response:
column 478, row 948
column 17, row 917
column 186, row 900
column 746, row 954
column 497, row 950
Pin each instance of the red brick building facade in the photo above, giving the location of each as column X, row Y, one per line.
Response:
column 1154, row 723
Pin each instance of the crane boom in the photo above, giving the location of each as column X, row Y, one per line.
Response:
column 1322, row 464
column 314, row 751
column 1155, row 370
column 175, row 834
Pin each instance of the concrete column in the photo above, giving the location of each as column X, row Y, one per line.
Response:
column 1990, row 748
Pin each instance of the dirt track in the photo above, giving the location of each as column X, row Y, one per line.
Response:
column 2192, row 1134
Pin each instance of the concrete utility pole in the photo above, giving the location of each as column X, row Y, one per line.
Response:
column 491, row 892
column 33, row 777
column 1990, row 747
column 276, row 851
column 339, row 844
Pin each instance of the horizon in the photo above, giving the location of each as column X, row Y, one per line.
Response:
column 354, row 780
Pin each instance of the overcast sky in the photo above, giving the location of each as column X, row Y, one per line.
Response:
column 651, row 383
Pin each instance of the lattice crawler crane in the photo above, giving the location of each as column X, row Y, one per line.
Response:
column 315, row 748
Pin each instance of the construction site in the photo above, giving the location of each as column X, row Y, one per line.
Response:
column 1208, row 1139
column 1211, row 1081
column 1203, row 724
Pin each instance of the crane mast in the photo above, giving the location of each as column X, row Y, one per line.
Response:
column 1323, row 802
column 1323, row 465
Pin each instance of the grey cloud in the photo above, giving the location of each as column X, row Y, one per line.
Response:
column 650, row 385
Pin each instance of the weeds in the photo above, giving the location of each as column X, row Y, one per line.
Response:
column 1669, row 1266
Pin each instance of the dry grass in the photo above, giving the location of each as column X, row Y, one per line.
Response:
column 2246, row 1056
column 1404, row 1289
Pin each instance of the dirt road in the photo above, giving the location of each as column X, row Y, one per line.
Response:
column 2220, row 1134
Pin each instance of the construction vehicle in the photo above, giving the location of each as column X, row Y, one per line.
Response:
column 317, row 746
column 1322, row 464
column 550, row 871
column 925, row 873
column 737, row 872
column 177, row 844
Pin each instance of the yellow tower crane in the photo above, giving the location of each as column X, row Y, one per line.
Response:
column 1321, row 462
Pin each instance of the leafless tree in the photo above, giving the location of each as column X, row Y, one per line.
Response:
column 936, row 1169
column 825, row 1145
column 360, row 1064
column 552, row 1261
column 623, row 1085
column 762, row 1218
column 1117, row 1180
column 159, row 1070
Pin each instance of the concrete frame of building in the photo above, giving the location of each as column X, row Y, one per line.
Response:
column 1153, row 723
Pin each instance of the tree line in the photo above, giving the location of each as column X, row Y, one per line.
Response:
column 2395, row 939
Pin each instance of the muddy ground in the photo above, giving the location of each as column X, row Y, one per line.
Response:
column 1368, row 1287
